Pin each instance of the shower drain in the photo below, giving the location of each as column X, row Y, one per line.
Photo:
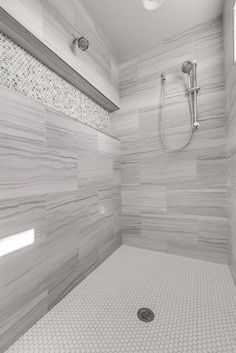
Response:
column 145, row 314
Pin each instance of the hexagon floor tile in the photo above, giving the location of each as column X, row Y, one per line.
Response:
column 194, row 304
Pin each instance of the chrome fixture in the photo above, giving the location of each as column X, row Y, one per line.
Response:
column 145, row 314
column 189, row 68
column 163, row 77
column 82, row 42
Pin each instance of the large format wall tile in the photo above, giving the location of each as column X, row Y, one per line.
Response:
column 61, row 178
column 67, row 134
column 21, row 119
column 29, row 171
column 175, row 201
column 22, row 319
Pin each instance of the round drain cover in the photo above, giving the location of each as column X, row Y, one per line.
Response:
column 145, row 314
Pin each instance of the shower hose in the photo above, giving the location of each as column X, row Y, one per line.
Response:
column 163, row 86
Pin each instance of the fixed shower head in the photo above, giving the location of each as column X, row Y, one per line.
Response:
column 82, row 42
column 187, row 67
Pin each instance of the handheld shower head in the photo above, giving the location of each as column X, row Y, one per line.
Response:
column 187, row 67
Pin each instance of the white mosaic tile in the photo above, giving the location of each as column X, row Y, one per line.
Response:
column 24, row 74
column 194, row 304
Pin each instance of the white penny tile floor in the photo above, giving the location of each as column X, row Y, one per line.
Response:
column 194, row 304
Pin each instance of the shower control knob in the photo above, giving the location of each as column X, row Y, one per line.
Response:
column 196, row 125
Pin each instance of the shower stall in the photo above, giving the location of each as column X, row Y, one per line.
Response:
column 117, row 176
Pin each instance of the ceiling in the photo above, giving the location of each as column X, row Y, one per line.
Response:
column 131, row 29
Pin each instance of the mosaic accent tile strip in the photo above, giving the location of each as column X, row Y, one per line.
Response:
column 194, row 304
column 26, row 75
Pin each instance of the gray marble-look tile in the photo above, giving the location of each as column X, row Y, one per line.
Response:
column 145, row 243
column 69, row 216
column 17, row 323
column 89, row 249
column 128, row 76
column 124, row 124
column 170, row 227
column 104, row 173
column 211, row 169
column 130, row 173
column 210, row 202
column 117, row 173
column 131, row 224
column 168, row 168
column 30, row 170
column 18, row 215
column 204, row 31
column 21, row 118
column 67, row 213
column 161, row 59
column 130, row 197
column 63, row 280
column 132, row 149
column 108, row 145
column 206, row 252
column 109, row 240
column 21, row 272
column 215, row 232
column 88, row 173
column 152, row 199
column 63, row 132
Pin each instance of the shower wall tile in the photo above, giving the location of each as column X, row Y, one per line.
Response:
column 210, row 202
column 211, row 168
column 63, row 280
column 21, row 214
column 108, row 145
column 144, row 242
column 88, row 172
column 126, row 124
column 152, row 199
column 29, row 171
column 230, row 87
column 89, row 250
column 168, row 169
column 20, row 118
column 61, row 178
column 22, row 319
column 67, row 134
column 175, row 201
column 170, row 227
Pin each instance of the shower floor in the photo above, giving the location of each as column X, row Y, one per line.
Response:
column 194, row 304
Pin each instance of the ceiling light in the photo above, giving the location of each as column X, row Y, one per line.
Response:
column 152, row 4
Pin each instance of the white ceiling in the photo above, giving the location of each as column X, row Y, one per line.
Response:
column 131, row 29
